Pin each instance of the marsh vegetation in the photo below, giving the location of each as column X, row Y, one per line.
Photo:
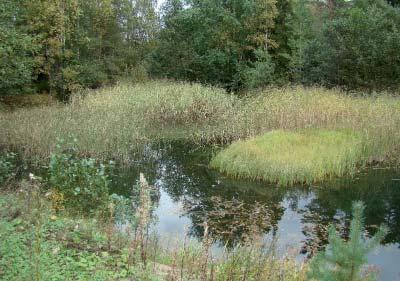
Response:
column 288, row 158
column 110, row 122
column 244, row 129
column 289, row 136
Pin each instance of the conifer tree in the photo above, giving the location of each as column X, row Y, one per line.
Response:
column 342, row 260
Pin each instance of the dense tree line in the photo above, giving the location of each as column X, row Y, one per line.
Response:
column 359, row 47
column 251, row 43
column 216, row 41
column 60, row 46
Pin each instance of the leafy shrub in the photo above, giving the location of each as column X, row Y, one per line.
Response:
column 342, row 261
column 7, row 167
column 92, row 75
column 83, row 182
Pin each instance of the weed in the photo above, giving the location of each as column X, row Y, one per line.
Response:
column 80, row 183
column 7, row 167
column 143, row 220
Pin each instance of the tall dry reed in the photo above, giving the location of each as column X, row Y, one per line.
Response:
column 112, row 121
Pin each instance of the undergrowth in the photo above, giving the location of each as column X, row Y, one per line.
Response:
column 38, row 243
column 7, row 167
column 80, row 183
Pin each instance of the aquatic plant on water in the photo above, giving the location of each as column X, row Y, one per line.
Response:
column 287, row 158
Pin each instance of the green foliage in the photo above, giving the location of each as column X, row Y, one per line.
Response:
column 358, row 48
column 82, row 182
column 303, row 24
column 7, row 167
column 260, row 73
column 16, row 51
column 63, row 46
column 282, row 33
column 36, row 245
column 342, row 260
column 212, row 41
column 353, row 44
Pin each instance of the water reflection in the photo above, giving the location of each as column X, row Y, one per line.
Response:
column 378, row 189
column 192, row 194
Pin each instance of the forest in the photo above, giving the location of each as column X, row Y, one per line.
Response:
column 200, row 140
column 60, row 47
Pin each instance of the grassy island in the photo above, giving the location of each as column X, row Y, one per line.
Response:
column 288, row 158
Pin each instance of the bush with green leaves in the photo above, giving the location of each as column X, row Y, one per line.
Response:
column 343, row 260
column 83, row 182
column 358, row 48
column 7, row 167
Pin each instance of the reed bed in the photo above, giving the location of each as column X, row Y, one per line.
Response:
column 288, row 158
column 299, row 107
column 113, row 121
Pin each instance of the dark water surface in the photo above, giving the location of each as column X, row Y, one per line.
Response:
column 297, row 217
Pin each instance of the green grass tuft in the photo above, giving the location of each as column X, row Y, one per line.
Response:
column 287, row 158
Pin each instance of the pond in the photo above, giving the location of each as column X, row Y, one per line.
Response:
column 296, row 218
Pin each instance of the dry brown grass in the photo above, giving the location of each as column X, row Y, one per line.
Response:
column 110, row 122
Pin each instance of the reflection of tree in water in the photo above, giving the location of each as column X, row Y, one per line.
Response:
column 332, row 204
column 181, row 171
column 229, row 207
column 232, row 221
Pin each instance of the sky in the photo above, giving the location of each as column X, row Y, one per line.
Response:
column 159, row 4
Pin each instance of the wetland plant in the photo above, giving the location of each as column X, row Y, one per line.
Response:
column 288, row 158
column 142, row 218
column 114, row 121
